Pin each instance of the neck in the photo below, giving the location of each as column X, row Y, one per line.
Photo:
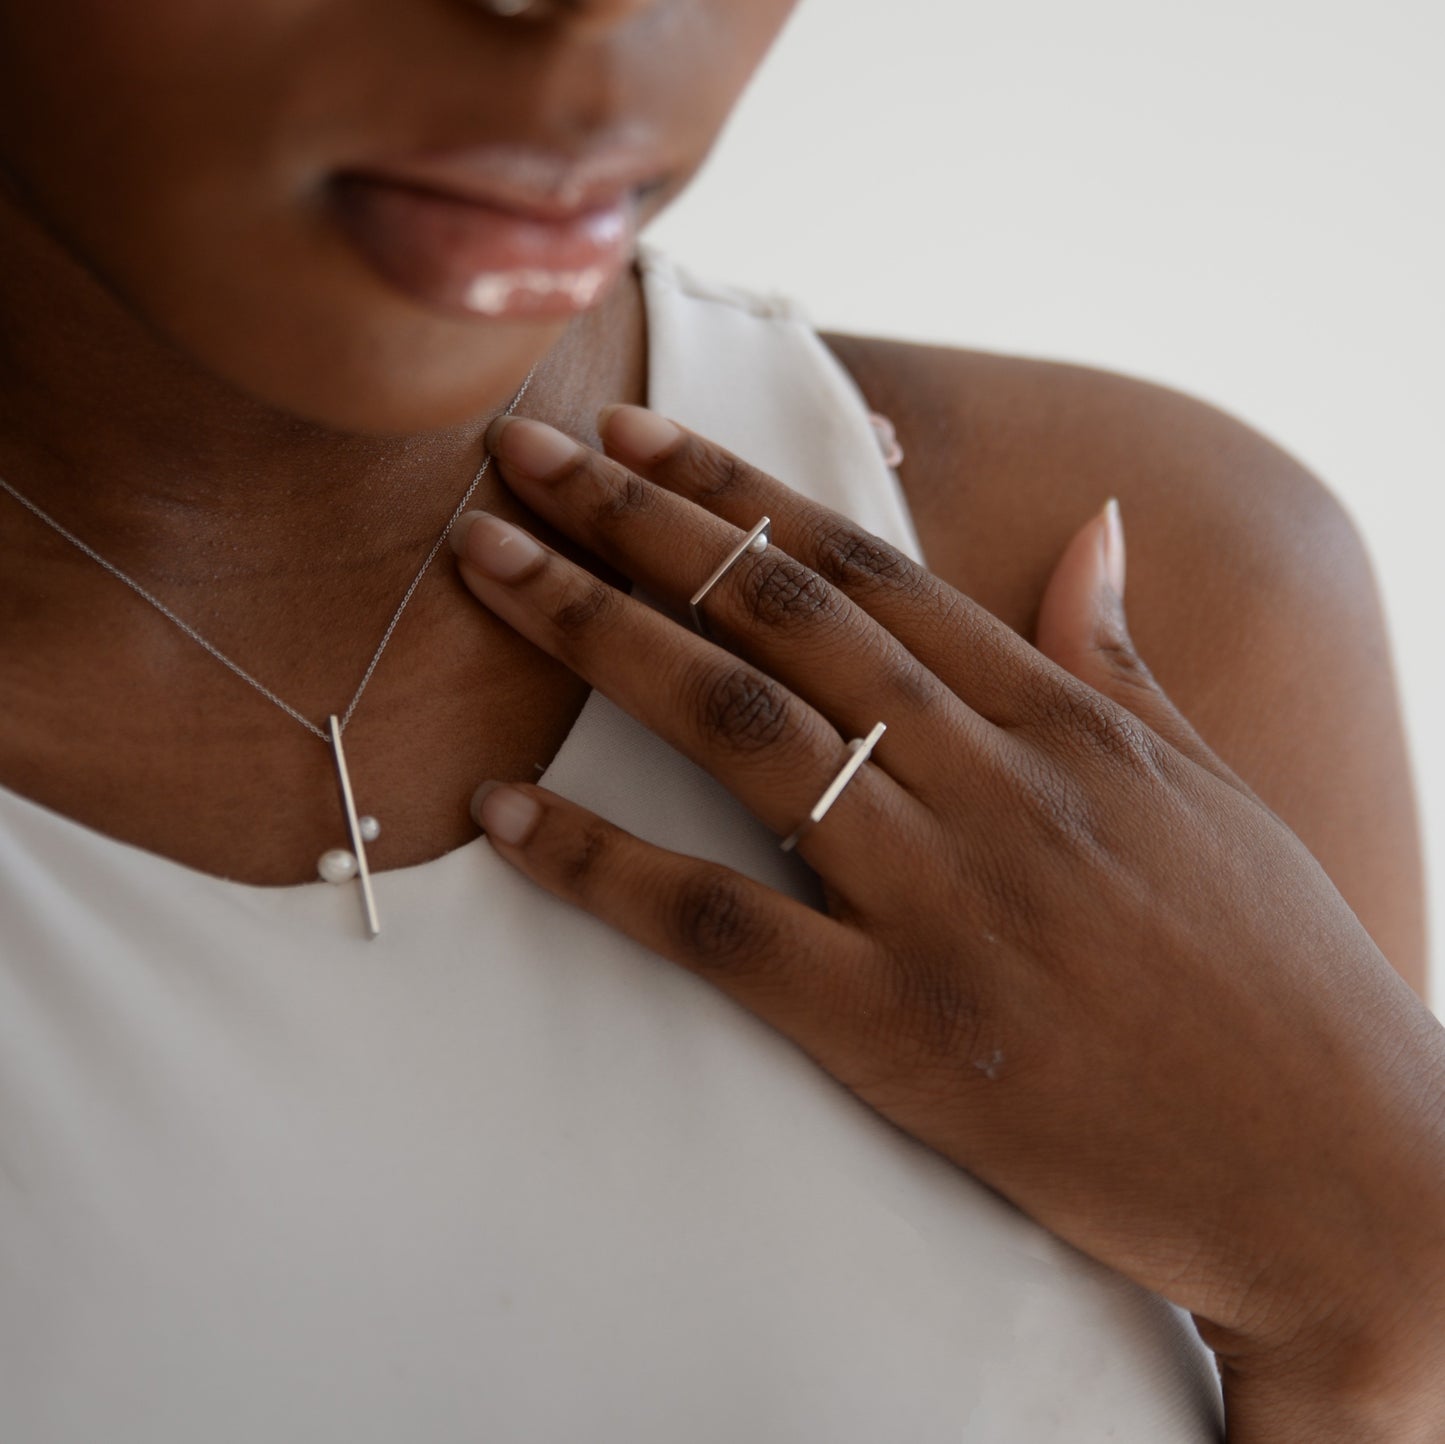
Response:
column 265, row 531
column 288, row 546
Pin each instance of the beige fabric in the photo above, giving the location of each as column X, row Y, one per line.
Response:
column 502, row 1175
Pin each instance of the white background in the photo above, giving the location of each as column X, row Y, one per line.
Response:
column 1239, row 198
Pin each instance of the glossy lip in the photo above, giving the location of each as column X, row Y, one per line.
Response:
column 475, row 258
column 505, row 230
column 539, row 182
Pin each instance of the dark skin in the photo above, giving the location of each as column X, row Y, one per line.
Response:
column 456, row 697
column 1065, row 944
column 1250, row 593
column 199, row 380
column 141, row 367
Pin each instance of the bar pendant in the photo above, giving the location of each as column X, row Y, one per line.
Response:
column 353, row 824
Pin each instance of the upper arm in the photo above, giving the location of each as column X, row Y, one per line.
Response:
column 1250, row 593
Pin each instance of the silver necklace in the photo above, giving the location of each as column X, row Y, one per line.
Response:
column 340, row 864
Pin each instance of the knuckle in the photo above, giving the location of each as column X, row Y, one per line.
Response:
column 712, row 921
column 1106, row 730
column 579, row 859
column 586, row 601
column 960, row 625
column 716, row 473
column 1053, row 702
column 627, row 495
column 780, row 590
column 1114, row 730
column 849, row 556
column 747, row 709
column 1128, row 742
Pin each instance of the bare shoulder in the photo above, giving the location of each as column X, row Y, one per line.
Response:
column 1250, row 593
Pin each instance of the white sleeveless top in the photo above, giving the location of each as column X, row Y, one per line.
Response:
column 502, row 1176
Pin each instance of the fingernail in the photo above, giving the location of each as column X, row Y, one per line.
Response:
column 636, row 432
column 1113, row 543
column 531, row 448
column 505, row 813
column 496, row 547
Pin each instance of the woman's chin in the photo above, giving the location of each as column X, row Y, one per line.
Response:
column 368, row 359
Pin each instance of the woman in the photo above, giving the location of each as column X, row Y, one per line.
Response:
column 1115, row 1041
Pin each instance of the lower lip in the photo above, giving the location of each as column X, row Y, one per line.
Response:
column 472, row 259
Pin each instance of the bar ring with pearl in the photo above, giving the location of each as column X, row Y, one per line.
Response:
column 756, row 541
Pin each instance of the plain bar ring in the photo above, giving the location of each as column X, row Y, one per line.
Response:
column 859, row 750
column 755, row 541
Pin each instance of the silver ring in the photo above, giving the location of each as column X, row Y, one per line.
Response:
column 859, row 750
column 755, row 541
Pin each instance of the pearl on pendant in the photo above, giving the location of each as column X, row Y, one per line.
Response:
column 759, row 543
column 338, row 865
column 370, row 828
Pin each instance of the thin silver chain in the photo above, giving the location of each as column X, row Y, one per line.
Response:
column 219, row 655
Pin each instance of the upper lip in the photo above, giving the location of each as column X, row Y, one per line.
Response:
column 532, row 180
